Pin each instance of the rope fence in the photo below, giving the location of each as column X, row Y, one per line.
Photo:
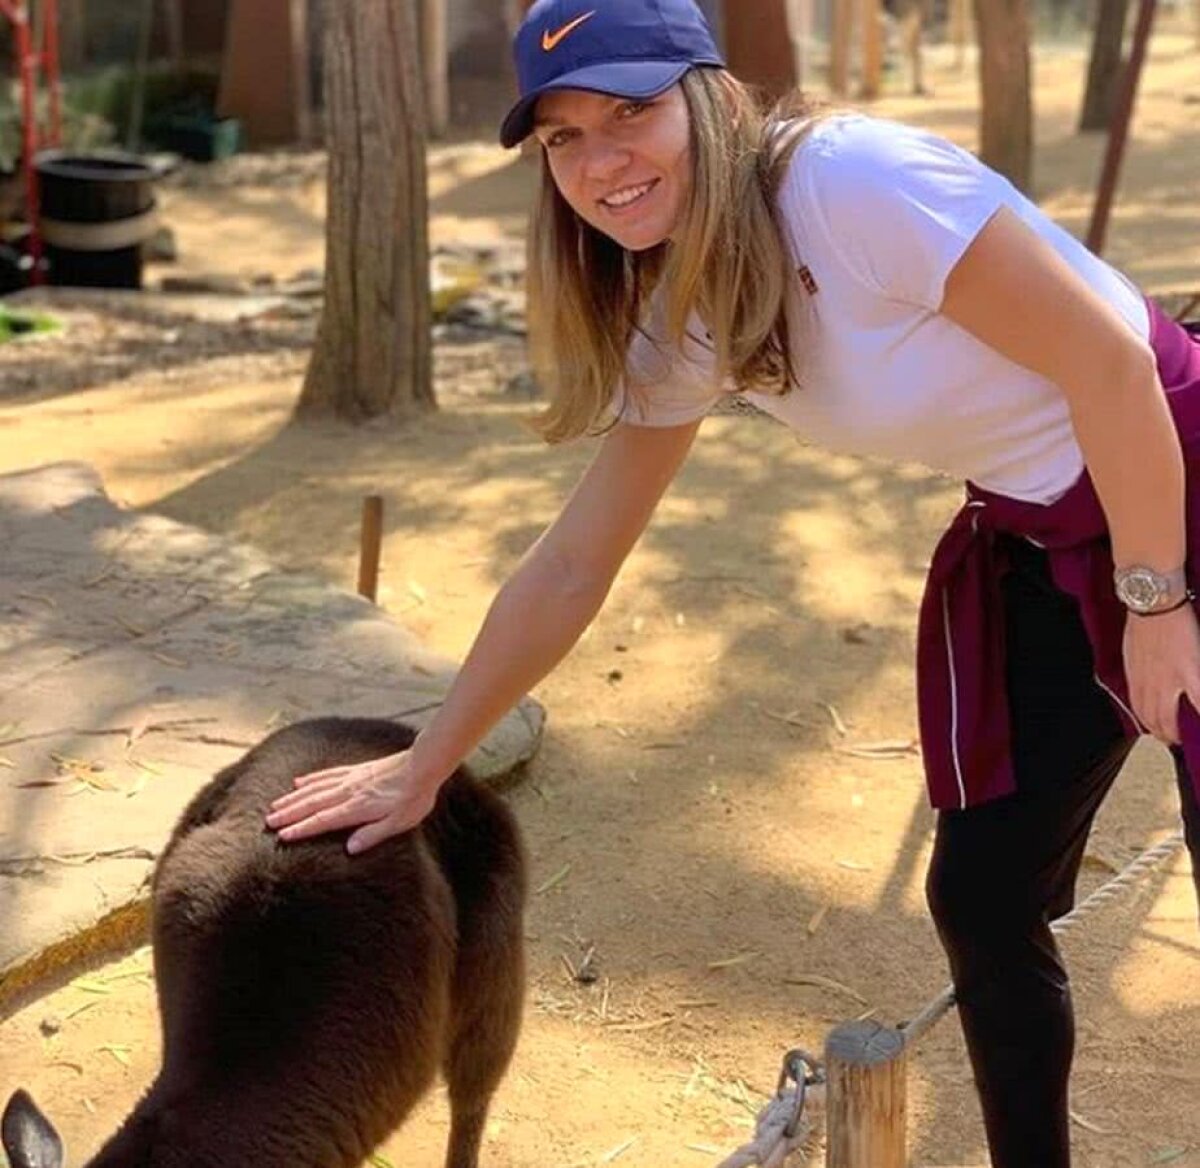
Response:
column 862, row 1085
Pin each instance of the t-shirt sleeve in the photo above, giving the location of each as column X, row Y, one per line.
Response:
column 900, row 206
column 666, row 385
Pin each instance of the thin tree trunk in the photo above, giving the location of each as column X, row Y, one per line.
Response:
column 871, row 30
column 841, row 25
column 1006, row 124
column 758, row 45
column 373, row 348
column 1104, row 68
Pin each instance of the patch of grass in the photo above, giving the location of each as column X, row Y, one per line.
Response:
column 16, row 325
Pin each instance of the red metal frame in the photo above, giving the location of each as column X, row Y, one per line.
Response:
column 33, row 62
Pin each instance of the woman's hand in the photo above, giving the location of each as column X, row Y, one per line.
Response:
column 381, row 798
column 1162, row 663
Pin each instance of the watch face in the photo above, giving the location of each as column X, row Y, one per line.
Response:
column 1140, row 589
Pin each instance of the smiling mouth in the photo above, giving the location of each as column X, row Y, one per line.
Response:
column 627, row 197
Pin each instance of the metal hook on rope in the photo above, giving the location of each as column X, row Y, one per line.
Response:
column 801, row 1068
column 780, row 1129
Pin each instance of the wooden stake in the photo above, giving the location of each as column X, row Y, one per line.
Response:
column 435, row 65
column 302, row 96
column 866, row 1104
column 370, row 541
column 173, row 11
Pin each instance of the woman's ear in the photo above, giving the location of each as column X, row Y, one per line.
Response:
column 29, row 1138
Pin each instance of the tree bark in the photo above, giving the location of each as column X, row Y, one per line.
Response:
column 1104, row 67
column 758, row 45
column 1006, row 121
column 372, row 355
column 870, row 19
column 841, row 26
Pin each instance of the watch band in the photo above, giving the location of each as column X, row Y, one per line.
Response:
column 1187, row 598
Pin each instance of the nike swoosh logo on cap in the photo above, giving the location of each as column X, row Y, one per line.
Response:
column 550, row 39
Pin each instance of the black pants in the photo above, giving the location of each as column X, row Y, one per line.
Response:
column 1003, row 870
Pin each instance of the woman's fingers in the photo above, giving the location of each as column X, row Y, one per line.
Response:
column 301, row 804
column 302, row 794
column 377, row 797
column 335, row 818
column 337, row 772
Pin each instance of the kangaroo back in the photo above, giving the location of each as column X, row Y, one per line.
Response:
column 308, row 998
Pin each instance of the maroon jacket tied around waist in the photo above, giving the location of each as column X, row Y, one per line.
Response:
column 962, row 702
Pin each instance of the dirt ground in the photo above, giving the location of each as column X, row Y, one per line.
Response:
column 742, row 876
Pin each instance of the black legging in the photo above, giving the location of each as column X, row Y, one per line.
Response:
column 1003, row 870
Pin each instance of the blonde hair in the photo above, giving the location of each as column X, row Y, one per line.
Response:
column 728, row 262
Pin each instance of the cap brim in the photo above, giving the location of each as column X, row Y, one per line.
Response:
column 617, row 78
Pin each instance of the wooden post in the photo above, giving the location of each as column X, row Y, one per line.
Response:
column 301, row 83
column 72, row 35
column 173, row 11
column 435, row 65
column 866, row 1103
column 871, row 15
column 369, row 544
column 839, row 47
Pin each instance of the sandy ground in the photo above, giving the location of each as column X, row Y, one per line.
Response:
column 695, row 816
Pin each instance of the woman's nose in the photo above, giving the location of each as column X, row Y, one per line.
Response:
column 605, row 160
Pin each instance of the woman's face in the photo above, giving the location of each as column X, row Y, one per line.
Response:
column 623, row 165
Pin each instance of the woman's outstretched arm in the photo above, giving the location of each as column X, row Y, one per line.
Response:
column 536, row 618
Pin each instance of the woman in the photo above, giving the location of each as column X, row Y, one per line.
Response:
column 880, row 291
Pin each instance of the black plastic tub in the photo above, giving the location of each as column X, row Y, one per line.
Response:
column 95, row 211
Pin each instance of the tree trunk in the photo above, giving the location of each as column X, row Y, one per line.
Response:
column 841, row 26
column 1006, row 123
column 758, row 45
column 1104, row 68
column 373, row 349
column 870, row 19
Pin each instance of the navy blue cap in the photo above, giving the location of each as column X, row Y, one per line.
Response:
column 627, row 48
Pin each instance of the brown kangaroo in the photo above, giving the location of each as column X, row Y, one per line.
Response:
column 309, row 998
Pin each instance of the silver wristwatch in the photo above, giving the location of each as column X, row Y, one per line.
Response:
column 1143, row 590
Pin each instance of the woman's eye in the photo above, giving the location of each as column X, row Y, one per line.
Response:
column 631, row 109
column 555, row 139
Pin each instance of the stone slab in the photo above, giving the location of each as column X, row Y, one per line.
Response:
column 207, row 306
column 138, row 656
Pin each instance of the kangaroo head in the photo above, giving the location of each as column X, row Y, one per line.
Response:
column 30, row 1140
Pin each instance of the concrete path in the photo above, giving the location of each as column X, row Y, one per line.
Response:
column 137, row 657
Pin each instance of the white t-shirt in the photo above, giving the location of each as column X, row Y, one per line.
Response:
column 880, row 213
